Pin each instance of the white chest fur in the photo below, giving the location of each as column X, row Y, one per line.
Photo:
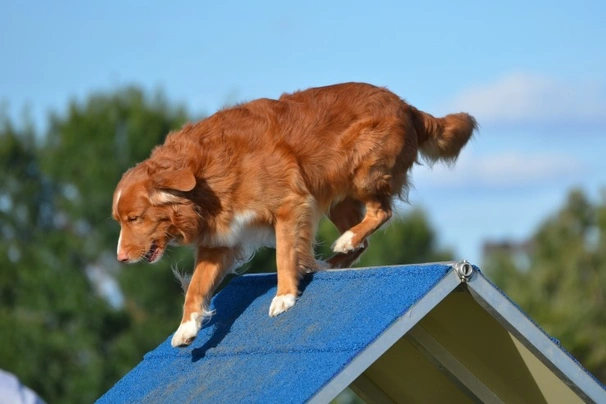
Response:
column 244, row 233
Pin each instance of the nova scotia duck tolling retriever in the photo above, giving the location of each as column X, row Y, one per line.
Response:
column 265, row 172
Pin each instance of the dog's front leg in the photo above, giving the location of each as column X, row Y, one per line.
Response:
column 287, row 266
column 212, row 264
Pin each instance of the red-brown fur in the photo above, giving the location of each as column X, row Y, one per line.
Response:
column 276, row 167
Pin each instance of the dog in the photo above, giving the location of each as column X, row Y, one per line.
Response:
column 264, row 173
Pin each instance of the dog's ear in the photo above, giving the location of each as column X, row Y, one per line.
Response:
column 178, row 180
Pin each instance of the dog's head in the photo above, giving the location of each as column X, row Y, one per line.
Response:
column 149, row 204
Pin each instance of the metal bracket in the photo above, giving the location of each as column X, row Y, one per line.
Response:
column 464, row 270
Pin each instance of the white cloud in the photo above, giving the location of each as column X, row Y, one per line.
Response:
column 529, row 99
column 509, row 169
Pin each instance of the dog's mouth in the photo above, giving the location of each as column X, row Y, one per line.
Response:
column 154, row 253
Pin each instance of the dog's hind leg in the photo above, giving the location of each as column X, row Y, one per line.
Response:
column 372, row 185
column 212, row 264
column 344, row 216
column 378, row 211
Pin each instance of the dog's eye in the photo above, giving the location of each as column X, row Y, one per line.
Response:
column 132, row 218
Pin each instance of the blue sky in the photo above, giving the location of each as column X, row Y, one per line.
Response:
column 533, row 73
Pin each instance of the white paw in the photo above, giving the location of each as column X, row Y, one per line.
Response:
column 187, row 332
column 280, row 304
column 343, row 244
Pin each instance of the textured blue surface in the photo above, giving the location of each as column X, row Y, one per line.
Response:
column 244, row 356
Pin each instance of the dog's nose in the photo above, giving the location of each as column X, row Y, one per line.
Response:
column 122, row 256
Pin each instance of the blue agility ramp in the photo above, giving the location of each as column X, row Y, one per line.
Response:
column 358, row 328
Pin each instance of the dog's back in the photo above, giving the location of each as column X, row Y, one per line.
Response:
column 325, row 134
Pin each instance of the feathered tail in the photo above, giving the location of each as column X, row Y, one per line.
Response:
column 441, row 139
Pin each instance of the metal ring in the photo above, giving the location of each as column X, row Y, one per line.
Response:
column 464, row 269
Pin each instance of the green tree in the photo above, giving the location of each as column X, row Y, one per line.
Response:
column 44, row 347
column 561, row 282
column 59, row 335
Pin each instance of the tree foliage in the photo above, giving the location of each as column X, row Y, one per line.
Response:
column 73, row 321
column 561, row 282
column 58, row 333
